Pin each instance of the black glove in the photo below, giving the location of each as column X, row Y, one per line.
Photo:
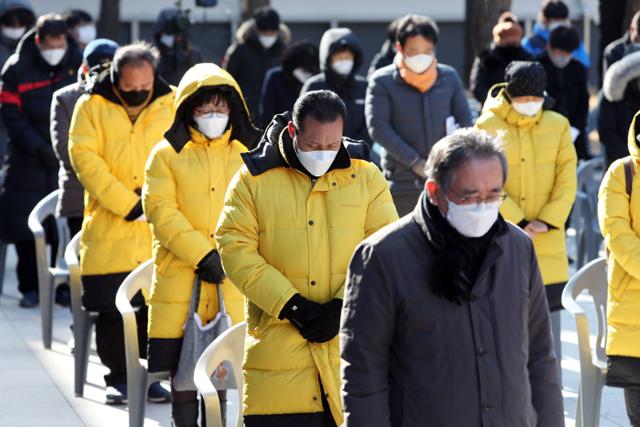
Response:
column 297, row 311
column 135, row 213
column 48, row 158
column 210, row 268
column 325, row 322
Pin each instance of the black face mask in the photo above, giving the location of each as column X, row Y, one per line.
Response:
column 134, row 97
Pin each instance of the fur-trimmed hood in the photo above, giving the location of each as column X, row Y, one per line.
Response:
column 247, row 31
column 619, row 75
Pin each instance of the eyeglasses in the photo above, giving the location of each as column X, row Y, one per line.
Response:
column 477, row 200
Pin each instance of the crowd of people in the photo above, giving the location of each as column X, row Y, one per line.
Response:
column 394, row 258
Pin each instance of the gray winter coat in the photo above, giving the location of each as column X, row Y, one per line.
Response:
column 71, row 202
column 411, row 358
column 407, row 123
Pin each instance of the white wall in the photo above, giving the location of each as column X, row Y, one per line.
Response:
column 312, row 10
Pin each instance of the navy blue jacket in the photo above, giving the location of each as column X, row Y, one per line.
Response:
column 28, row 83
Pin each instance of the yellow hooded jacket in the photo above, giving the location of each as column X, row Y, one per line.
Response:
column 183, row 195
column 619, row 217
column 281, row 234
column 542, row 182
column 108, row 153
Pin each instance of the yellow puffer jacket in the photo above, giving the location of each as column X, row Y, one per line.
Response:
column 108, row 154
column 542, row 176
column 183, row 195
column 280, row 235
column 619, row 218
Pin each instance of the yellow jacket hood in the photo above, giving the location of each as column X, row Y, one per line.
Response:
column 202, row 76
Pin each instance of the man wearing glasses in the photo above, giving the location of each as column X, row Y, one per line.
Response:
column 445, row 319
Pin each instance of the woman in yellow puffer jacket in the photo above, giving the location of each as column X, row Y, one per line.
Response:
column 619, row 216
column 542, row 168
column 185, row 183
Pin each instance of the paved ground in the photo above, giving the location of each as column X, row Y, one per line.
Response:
column 37, row 384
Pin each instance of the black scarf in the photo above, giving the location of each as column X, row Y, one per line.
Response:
column 457, row 258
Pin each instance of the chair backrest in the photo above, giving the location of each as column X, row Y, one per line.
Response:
column 592, row 278
column 590, row 173
column 72, row 259
column 137, row 280
column 43, row 209
column 229, row 346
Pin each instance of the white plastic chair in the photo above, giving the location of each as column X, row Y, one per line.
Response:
column 138, row 377
column 229, row 346
column 593, row 362
column 584, row 218
column 48, row 277
column 82, row 320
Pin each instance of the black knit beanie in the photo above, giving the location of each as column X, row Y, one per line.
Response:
column 267, row 19
column 525, row 78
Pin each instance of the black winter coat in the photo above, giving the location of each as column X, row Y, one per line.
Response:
column 569, row 89
column 28, row 84
column 614, row 120
column 248, row 62
column 382, row 58
column 411, row 358
column 352, row 89
column 279, row 93
column 489, row 66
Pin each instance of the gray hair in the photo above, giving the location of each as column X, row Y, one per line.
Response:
column 136, row 54
column 459, row 148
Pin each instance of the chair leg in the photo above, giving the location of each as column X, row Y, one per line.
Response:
column 137, row 396
column 590, row 393
column 3, row 262
column 557, row 341
column 579, row 409
column 82, row 326
column 46, row 310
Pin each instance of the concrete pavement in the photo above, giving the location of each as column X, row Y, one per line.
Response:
column 36, row 386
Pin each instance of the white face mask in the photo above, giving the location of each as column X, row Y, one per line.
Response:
column 301, row 74
column 560, row 61
column 168, row 40
column 528, row 109
column 418, row 63
column 316, row 162
column 342, row 66
column 212, row 125
column 86, row 33
column 13, row 33
column 473, row 220
column 267, row 41
column 53, row 56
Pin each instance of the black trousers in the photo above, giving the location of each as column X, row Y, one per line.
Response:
column 110, row 343
column 624, row 371
column 99, row 295
column 554, row 296
column 632, row 401
column 27, row 268
column 75, row 225
column 315, row 419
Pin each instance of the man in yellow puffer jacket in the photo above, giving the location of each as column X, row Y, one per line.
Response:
column 542, row 167
column 113, row 130
column 619, row 216
column 186, row 178
column 293, row 216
